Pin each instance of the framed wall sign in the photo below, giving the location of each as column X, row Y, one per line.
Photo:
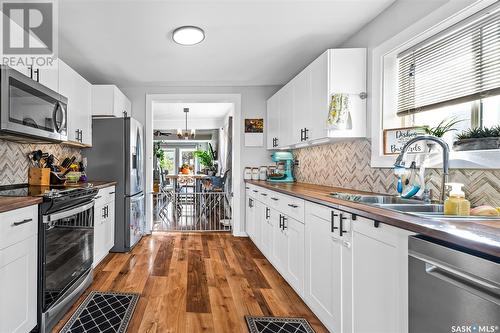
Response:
column 254, row 132
column 396, row 138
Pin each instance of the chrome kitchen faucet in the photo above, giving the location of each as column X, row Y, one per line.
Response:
column 446, row 158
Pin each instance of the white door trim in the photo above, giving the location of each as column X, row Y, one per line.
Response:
column 237, row 168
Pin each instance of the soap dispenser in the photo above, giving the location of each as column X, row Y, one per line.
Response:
column 456, row 204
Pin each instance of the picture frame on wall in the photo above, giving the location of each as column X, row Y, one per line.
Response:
column 254, row 132
column 396, row 138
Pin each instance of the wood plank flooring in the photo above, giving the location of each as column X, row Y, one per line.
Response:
column 193, row 282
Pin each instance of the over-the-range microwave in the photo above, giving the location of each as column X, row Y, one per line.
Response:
column 29, row 111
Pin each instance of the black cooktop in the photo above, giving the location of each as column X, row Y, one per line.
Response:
column 25, row 190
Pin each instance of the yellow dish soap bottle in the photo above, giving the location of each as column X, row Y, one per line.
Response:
column 456, row 204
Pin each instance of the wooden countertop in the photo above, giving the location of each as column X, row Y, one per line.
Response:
column 482, row 236
column 11, row 203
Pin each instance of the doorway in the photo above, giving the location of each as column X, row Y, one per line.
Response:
column 193, row 182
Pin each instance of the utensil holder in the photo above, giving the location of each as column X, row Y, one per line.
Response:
column 39, row 176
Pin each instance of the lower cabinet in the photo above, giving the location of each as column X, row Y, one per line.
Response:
column 328, row 264
column 18, row 270
column 351, row 271
column 104, row 223
column 380, row 278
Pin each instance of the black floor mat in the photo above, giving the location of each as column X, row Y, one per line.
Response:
column 278, row 324
column 102, row 312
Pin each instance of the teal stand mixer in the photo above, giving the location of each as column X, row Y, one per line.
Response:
column 287, row 175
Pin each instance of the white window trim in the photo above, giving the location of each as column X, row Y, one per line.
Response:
column 442, row 18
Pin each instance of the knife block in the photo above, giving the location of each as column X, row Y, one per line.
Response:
column 39, row 176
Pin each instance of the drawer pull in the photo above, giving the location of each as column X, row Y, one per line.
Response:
column 15, row 224
column 275, row 199
column 292, row 205
column 246, row 187
column 264, row 194
column 98, row 197
column 255, row 191
column 112, row 192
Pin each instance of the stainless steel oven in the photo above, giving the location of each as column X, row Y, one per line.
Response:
column 29, row 111
column 66, row 256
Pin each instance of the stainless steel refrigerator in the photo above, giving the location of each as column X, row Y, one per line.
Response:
column 117, row 154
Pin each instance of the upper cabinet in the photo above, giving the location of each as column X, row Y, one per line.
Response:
column 79, row 93
column 109, row 101
column 332, row 85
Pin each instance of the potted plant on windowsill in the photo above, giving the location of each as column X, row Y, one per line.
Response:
column 479, row 138
column 206, row 160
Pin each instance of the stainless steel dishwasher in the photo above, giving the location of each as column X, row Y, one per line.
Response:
column 452, row 289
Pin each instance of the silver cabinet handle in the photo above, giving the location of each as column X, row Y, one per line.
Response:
column 275, row 199
column 292, row 205
column 98, row 197
column 264, row 194
column 15, row 224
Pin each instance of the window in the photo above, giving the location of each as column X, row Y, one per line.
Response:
column 168, row 162
column 454, row 74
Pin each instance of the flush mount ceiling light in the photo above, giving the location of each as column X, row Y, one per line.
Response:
column 188, row 35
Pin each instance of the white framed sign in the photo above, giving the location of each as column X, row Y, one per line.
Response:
column 396, row 138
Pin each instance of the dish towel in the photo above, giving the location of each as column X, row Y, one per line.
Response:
column 339, row 116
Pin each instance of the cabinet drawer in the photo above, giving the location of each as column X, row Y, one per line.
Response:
column 293, row 207
column 105, row 195
column 17, row 225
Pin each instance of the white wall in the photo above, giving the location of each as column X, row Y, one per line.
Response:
column 253, row 105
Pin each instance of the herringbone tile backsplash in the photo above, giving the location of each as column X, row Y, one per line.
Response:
column 14, row 162
column 347, row 165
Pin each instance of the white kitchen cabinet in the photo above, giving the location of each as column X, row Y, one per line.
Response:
column 286, row 115
column 49, row 75
column 279, row 245
column 304, row 102
column 250, row 217
column 266, row 242
column 259, row 214
column 104, row 223
column 380, row 278
column 79, row 93
column 302, row 121
column 328, row 263
column 18, row 270
column 295, row 239
column 109, row 101
column 273, row 121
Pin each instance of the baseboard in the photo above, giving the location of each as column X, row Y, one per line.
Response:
column 240, row 234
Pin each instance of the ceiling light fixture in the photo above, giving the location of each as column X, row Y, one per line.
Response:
column 188, row 35
column 186, row 134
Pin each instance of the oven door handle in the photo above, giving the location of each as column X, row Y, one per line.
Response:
column 67, row 213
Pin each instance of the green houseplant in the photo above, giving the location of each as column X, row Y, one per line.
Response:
column 206, row 160
column 478, row 138
column 445, row 126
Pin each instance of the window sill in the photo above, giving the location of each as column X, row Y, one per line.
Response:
column 473, row 159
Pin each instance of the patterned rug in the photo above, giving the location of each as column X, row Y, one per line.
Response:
column 102, row 312
column 278, row 324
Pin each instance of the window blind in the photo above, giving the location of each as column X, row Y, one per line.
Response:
column 459, row 66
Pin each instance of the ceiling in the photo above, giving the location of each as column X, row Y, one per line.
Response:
column 175, row 111
column 248, row 42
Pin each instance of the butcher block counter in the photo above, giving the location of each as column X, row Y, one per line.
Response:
column 482, row 236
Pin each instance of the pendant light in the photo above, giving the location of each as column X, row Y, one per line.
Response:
column 186, row 134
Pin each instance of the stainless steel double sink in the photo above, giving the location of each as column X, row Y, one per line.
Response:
column 409, row 206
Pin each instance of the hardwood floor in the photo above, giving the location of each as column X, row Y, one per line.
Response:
column 193, row 282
